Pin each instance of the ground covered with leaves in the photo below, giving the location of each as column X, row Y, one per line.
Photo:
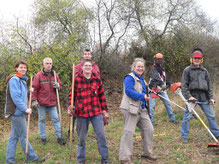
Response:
column 167, row 142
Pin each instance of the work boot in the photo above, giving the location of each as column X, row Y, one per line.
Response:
column 39, row 160
column 43, row 141
column 184, row 140
column 149, row 157
column 174, row 121
column 61, row 141
column 154, row 124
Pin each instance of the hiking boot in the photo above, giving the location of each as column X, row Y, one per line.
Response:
column 61, row 141
column 39, row 160
column 149, row 157
column 43, row 141
column 126, row 162
column 154, row 124
column 174, row 121
column 184, row 140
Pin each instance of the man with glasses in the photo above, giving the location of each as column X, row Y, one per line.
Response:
column 196, row 86
column 87, row 55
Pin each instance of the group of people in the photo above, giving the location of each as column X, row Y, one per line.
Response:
column 90, row 104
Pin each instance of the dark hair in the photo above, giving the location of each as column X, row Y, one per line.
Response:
column 20, row 62
column 87, row 49
column 197, row 49
column 87, row 60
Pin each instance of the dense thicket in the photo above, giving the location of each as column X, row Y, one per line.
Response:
column 116, row 31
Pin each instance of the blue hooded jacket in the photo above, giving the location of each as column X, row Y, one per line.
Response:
column 18, row 92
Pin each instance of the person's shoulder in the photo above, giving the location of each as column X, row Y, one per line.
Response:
column 187, row 69
column 79, row 77
column 79, row 64
column 40, row 72
column 14, row 78
column 129, row 76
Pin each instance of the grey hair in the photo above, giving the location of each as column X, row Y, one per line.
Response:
column 135, row 62
column 47, row 58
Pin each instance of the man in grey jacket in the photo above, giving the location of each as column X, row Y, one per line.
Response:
column 196, row 86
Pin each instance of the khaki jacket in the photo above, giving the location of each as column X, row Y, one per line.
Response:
column 133, row 106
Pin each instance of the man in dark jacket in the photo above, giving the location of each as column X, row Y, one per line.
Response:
column 45, row 99
column 159, row 83
column 196, row 85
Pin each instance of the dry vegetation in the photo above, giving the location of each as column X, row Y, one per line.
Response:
column 167, row 144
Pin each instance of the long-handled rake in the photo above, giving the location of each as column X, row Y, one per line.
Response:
column 28, row 121
column 176, row 88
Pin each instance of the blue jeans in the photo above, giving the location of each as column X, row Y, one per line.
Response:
column 167, row 105
column 82, row 128
column 42, row 120
column 18, row 131
column 209, row 112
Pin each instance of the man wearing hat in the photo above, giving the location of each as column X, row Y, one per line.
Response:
column 196, row 86
column 159, row 83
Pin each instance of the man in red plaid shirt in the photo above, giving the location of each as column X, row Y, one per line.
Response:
column 90, row 106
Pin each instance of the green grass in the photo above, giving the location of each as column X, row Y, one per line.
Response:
column 167, row 141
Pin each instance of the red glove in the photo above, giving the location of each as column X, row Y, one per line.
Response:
column 105, row 117
column 70, row 110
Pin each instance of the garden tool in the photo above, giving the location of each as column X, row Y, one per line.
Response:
column 28, row 120
column 72, row 99
column 176, row 88
column 59, row 107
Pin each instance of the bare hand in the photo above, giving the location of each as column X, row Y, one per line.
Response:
column 211, row 101
column 31, row 89
column 147, row 98
column 192, row 99
column 28, row 111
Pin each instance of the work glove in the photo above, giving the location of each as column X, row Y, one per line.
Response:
column 70, row 110
column 164, row 87
column 35, row 104
column 105, row 117
column 56, row 85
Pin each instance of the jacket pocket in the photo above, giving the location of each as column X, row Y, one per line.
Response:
column 133, row 107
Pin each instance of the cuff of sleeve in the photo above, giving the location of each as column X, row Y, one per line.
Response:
column 143, row 97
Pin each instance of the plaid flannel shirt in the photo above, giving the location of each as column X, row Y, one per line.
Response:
column 89, row 98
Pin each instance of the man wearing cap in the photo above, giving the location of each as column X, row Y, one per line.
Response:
column 159, row 83
column 196, row 86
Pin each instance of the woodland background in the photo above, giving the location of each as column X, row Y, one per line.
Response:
column 116, row 31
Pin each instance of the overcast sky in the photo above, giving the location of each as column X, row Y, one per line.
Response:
column 9, row 9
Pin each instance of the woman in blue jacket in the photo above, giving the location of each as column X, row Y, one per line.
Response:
column 16, row 110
